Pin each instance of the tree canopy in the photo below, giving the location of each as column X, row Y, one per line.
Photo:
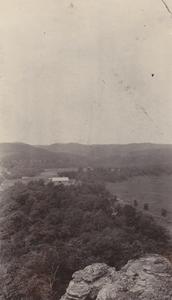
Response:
column 48, row 232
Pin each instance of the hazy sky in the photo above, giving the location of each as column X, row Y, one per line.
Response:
column 88, row 71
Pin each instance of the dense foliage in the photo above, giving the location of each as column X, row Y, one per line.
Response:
column 48, row 232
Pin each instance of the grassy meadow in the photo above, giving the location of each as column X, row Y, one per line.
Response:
column 156, row 191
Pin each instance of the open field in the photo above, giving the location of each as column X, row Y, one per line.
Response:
column 154, row 190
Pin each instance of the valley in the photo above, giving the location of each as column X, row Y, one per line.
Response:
column 65, row 207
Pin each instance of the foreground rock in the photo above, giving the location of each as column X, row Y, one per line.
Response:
column 147, row 278
column 89, row 281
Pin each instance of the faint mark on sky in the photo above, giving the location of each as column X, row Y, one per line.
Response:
column 167, row 7
column 129, row 90
column 90, row 122
column 141, row 108
column 95, row 108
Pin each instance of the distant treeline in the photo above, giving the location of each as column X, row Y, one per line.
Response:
column 118, row 174
column 48, row 232
column 133, row 159
column 19, row 168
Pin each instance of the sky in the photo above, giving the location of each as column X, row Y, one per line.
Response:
column 92, row 72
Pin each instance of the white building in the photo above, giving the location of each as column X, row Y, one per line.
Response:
column 60, row 180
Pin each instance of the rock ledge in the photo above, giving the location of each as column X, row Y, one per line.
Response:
column 147, row 278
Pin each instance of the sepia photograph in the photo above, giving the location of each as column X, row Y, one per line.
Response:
column 85, row 149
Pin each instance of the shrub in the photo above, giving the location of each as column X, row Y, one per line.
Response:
column 146, row 206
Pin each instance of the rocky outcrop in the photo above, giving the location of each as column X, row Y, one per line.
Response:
column 147, row 278
column 89, row 281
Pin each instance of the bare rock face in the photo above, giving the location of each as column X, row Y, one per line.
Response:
column 147, row 278
column 89, row 281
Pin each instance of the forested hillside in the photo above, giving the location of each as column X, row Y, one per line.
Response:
column 128, row 155
column 134, row 159
column 48, row 232
column 26, row 160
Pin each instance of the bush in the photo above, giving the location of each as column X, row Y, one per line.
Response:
column 163, row 212
column 146, row 206
column 135, row 203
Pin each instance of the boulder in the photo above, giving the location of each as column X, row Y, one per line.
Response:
column 147, row 278
column 91, row 273
column 89, row 281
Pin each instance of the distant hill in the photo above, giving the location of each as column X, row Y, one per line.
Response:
column 72, row 148
column 118, row 155
column 78, row 155
column 27, row 160
column 21, row 151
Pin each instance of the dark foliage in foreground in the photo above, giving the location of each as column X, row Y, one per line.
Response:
column 49, row 232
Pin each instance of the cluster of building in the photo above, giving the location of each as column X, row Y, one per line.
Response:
column 48, row 175
column 57, row 180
